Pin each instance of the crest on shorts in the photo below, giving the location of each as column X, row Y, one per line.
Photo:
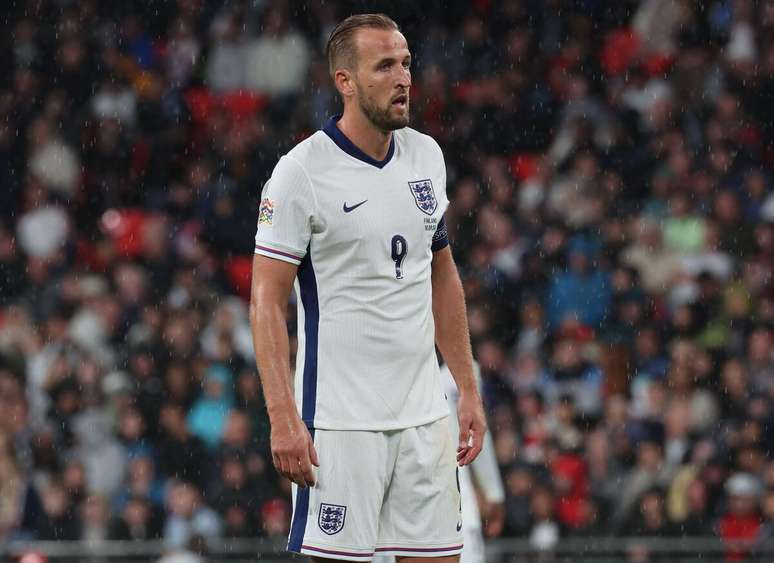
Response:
column 331, row 518
column 266, row 212
column 424, row 196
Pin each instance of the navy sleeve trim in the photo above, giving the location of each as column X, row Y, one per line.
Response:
column 441, row 236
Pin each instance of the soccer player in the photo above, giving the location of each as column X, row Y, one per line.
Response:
column 353, row 216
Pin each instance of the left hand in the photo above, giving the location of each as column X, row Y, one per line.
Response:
column 494, row 520
column 470, row 413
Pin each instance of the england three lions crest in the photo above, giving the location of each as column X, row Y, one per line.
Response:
column 424, row 196
column 331, row 518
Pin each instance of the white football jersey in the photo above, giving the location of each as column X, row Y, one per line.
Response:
column 363, row 233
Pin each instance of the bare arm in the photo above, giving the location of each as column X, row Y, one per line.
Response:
column 292, row 448
column 453, row 339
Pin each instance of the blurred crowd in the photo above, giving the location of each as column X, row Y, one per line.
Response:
column 610, row 172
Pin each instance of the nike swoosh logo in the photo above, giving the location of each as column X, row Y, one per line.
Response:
column 348, row 209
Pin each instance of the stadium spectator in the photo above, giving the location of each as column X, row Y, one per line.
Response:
column 208, row 415
column 275, row 518
column 141, row 482
column 95, row 515
column 58, row 519
column 544, row 530
column 182, row 455
column 740, row 525
column 581, row 293
column 138, row 520
column 226, row 63
column 20, row 501
column 698, row 521
column 281, row 48
column 188, row 516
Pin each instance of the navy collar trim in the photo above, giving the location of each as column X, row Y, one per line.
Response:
column 343, row 142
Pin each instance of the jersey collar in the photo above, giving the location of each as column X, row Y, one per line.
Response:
column 341, row 140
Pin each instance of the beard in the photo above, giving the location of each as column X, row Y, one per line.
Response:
column 382, row 117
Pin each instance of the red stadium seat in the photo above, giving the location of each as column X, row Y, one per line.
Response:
column 243, row 104
column 125, row 227
column 523, row 166
column 239, row 271
column 200, row 102
column 619, row 51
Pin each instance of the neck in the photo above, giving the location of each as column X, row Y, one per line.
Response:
column 358, row 129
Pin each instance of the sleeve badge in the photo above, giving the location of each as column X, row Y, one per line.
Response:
column 266, row 212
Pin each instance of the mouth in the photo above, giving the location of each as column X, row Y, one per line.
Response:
column 400, row 101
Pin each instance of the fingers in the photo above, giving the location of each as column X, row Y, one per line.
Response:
column 297, row 469
column 281, row 465
column 473, row 444
column 313, row 454
column 295, row 463
column 308, row 457
column 306, row 474
column 470, row 453
column 465, row 423
column 464, row 445
column 464, row 438
column 294, row 472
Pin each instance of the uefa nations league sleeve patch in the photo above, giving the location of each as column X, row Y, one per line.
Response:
column 331, row 518
column 266, row 212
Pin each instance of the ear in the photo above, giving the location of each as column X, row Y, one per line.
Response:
column 344, row 82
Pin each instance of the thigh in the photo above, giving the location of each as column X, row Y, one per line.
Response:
column 338, row 517
column 421, row 514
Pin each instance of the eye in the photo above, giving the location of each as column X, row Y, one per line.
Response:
column 406, row 64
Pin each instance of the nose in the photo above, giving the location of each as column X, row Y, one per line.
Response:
column 404, row 77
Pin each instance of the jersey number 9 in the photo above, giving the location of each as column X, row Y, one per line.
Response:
column 399, row 250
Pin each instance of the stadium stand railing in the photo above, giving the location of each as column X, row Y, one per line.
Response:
column 504, row 550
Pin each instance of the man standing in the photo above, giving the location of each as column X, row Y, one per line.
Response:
column 354, row 216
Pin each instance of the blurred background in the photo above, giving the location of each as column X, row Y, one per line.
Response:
column 610, row 172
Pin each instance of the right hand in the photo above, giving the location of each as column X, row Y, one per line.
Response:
column 470, row 413
column 292, row 450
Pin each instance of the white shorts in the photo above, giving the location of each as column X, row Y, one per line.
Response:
column 391, row 493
